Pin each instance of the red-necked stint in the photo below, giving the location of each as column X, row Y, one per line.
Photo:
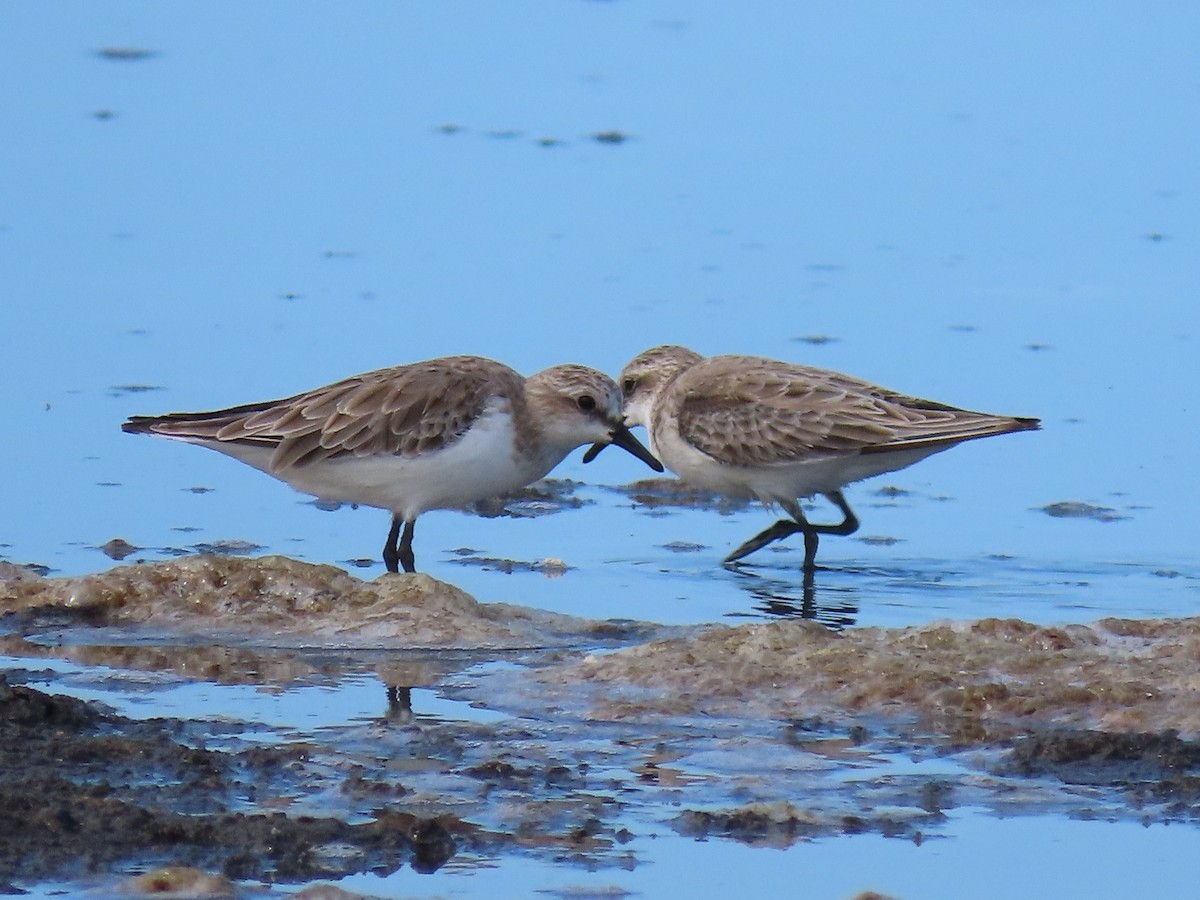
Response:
column 438, row 434
column 745, row 426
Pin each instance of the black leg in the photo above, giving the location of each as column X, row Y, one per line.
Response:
column 391, row 557
column 810, row 550
column 781, row 529
column 406, row 551
column 399, row 700
column 848, row 525
column 785, row 527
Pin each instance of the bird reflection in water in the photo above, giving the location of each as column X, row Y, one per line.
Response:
column 778, row 598
column 399, row 705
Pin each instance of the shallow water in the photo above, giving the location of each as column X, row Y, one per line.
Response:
column 993, row 208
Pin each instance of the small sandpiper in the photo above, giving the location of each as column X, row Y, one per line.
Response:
column 745, row 426
column 438, row 434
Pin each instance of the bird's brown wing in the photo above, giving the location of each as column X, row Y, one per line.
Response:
column 405, row 410
column 749, row 412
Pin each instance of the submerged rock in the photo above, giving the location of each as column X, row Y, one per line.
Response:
column 178, row 881
column 781, row 824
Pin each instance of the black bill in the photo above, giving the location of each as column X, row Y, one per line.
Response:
column 592, row 452
column 621, row 436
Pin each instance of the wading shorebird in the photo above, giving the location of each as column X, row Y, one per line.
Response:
column 745, row 426
column 438, row 434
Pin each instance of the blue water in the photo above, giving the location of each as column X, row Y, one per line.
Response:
column 992, row 206
column 979, row 861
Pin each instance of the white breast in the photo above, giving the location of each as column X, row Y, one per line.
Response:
column 479, row 465
column 779, row 481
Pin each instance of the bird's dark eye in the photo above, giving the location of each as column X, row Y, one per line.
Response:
column 586, row 402
column 628, row 385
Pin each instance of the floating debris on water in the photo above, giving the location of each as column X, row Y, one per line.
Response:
column 610, row 137
column 658, row 493
column 683, row 547
column 551, row 567
column 542, row 498
column 879, row 540
column 125, row 54
column 233, row 547
column 1074, row 509
column 118, row 390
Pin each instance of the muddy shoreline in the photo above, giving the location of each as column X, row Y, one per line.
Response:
column 85, row 791
column 587, row 743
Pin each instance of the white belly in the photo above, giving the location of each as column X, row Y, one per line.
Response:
column 780, row 481
column 479, row 465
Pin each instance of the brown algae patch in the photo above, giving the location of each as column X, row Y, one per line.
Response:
column 1114, row 675
column 287, row 602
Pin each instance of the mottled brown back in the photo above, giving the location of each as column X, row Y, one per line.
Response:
column 748, row 411
column 404, row 410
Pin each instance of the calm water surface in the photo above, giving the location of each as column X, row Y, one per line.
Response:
column 992, row 207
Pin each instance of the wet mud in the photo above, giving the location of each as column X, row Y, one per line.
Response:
column 84, row 789
column 597, row 734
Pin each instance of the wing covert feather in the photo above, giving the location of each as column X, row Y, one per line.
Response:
column 749, row 412
column 405, row 411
